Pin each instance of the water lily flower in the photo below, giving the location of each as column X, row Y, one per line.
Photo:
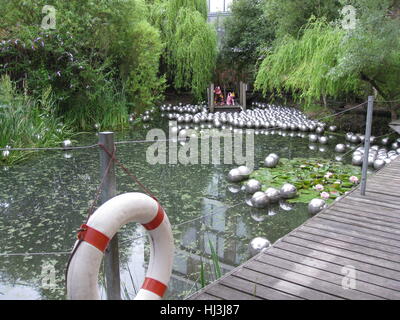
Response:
column 328, row 175
column 320, row 165
column 353, row 179
column 338, row 182
column 325, row 195
column 319, row 187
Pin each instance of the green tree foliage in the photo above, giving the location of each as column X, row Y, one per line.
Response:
column 246, row 30
column 289, row 16
column 371, row 51
column 302, row 66
column 326, row 60
column 190, row 43
column 98, row 54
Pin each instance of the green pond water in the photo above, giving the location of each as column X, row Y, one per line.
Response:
column 44, row 201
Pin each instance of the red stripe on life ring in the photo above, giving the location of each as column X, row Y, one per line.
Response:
column 94, row 237
column 154, row 286
column 155, row 223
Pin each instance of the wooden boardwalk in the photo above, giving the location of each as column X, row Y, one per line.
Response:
column 355, row 233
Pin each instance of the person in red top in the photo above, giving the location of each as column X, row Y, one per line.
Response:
column 219, row 97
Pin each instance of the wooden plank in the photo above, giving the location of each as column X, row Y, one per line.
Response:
column 332, row 266
column 373, row 214
column 383, row 196
column 350, row 239
column 256, row 289
column 389, row 260
column 331, row 291
column 368, row 209
column 353, row 231
column 373, row 200
column 338, row 259
column 205, row 296
column 227, row 293
column 363, row 290
column 389, row 233
column 290, row 287
column 363, row 200
column 363, row 218
column 347, row 254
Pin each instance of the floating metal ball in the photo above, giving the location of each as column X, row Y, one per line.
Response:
column 341, row 148
column 354, row 139
column 385, row 141
column 244, row 171
column 259, row 200
column 319, row 130
column 357, row 160
column 270, row 162
column 313, row 138
column 252, row 186
column 97, row 126
column 235, row 176
column 332, row 128
column 258, row 245
column 288, row 191
column 379, row 164
column 316, row 205
column 395, row 145
column 67, row 144
column 323, row 140
column 273, row 195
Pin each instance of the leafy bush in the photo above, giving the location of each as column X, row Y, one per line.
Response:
column 27, row 122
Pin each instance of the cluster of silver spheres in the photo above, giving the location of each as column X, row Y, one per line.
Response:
column 377, row 157
column 262, row 116
column 262, row 199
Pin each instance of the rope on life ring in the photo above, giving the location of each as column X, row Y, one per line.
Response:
column 94, row 236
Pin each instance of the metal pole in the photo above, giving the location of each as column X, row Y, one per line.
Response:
column 244, row 96
column 211, row 103
column 367, row 144
column 111, row 257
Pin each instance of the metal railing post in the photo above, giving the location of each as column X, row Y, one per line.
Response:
column 111, row 257
column 367, row 144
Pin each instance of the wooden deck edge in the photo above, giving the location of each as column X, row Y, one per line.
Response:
column 356, row 188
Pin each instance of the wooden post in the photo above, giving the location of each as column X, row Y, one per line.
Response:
column 243, row 98
column 367, row 144
column 211, row 98
column 111, row 257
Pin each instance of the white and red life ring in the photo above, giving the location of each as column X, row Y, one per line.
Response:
column 82, row 277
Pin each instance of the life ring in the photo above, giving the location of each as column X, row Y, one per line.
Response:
column 83, row 271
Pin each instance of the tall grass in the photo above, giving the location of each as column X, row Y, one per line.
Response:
column 27, row 122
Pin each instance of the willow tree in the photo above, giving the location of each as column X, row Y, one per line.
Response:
column 304, row 67
column 190, row 51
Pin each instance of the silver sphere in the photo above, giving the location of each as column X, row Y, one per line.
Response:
column 273, row 195
column 332, row 128
column 258, row 245
column 67, row 144
column 379, row 164
column 288, row 191
column 357, row 160
column 270, row 162
column 6, row 153
column 341, row 148
column 252, row 186
column 323, row 140
column 259, row 200
column 313, row 138
column 244, row 171
column 235, row 176
column 316, row 205
column 274, row 155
